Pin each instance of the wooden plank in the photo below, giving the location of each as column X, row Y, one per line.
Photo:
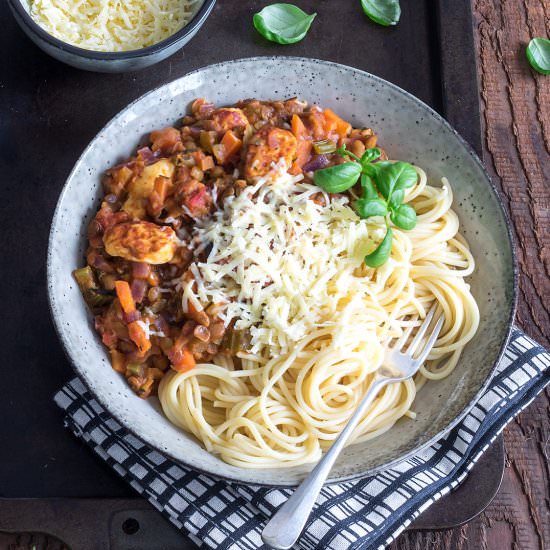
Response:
column 459, row 77
column 516, row 131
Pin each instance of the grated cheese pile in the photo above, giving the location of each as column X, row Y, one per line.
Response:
column 282, row 263
column 111, row 25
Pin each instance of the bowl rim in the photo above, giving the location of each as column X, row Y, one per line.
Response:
column 192, row 26
column 414, row 449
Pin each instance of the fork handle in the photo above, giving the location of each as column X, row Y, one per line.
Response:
column 283, row 529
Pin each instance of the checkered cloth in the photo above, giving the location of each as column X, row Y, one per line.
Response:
column 367, row 513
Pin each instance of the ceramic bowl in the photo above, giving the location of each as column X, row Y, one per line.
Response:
column 365, row 100
column 109, row 62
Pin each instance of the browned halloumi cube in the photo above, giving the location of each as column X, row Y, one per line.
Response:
column 266, row 147
column 229, row 118
column 140, row 188
column 141, row 241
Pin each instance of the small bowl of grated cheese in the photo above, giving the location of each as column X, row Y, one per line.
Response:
column 111, row 35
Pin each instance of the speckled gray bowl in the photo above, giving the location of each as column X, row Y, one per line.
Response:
column 407, row 128
column 109, row 62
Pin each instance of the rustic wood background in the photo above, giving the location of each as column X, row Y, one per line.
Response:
column 516, row 124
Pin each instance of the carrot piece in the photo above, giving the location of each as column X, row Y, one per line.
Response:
column 199, row 316
column 298, row 128
column 161, row 188
column 342, row 127
column 303, row 152
column 157, row 197
column 138, row 336
column 303, row 149
column 182, row 359
column 230, row 145
column 316, row 123
column 125, row 297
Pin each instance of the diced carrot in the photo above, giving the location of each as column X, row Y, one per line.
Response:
column 125, row 298
column 182, row 359
column 316, row 122
column 230, row 145
column 199, row 316
column 161, row 187
column 138, row 336
column 303, row 148
column 158, row 195
column 342, row 127
column 298, row 128
column 303, row 152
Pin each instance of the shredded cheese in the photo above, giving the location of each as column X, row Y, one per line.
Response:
column 111, row 25
column 280, row 262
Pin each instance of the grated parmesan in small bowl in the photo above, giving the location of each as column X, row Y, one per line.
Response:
column 110, row 35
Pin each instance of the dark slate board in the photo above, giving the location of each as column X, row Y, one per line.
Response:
column 48, row 114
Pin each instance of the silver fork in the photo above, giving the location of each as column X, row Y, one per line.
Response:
column 283, row 529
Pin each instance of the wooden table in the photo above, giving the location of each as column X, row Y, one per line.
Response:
column 516, row 125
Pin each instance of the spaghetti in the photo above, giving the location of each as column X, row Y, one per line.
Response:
column 283, row 399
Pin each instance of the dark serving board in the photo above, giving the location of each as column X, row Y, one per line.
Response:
column 49, row 480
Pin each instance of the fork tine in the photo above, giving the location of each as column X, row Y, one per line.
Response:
column 402, row 339
column 421, row 331
column 431, row 341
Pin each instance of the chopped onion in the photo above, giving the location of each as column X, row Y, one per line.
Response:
column 316, row 163
column 138, row 287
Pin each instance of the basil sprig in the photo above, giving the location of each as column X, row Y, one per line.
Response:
column 283, row 23
column 538, row 54
column 383, row 12
column 383, row 186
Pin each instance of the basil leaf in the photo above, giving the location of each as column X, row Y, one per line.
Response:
column 367, row 208
column 369, row 191
column 404, row 217
column 383, row 12
column 369, row 155
column 373, row 169
column 283, row 23
column 393, row 176
column 396, row 198
column 538, row 54
column 382, row 252
column 405, row 175
column 370, row 170
column 339, row 178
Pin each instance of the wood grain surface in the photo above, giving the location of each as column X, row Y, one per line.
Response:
column 515, row 105
column 516, row 125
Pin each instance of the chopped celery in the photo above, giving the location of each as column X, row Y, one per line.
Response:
column 134, row 369
column 85, row 278
column 98, row 298
column 324, row 147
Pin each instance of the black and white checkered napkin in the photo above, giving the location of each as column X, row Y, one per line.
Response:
column 368, row 513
